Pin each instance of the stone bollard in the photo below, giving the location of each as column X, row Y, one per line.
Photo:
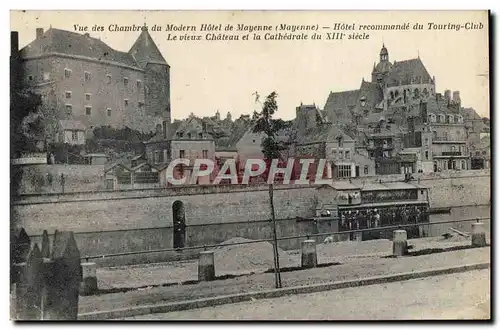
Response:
column 399, row 243
column 206, row 266
column 478, row 234
column 89, row 282
column 308, row 258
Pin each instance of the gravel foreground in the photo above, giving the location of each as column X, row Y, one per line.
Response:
column 256, row 258
column 358, row 268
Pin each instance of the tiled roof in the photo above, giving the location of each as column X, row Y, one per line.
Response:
column 326, row 132
column 338, row 103
column 171, row 130
column 315, row 134
column 404, row 71
column 71, row 43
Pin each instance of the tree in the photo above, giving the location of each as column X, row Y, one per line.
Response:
column 272, row 149
column 24, row 105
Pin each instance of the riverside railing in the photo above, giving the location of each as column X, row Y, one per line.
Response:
column 306, row 236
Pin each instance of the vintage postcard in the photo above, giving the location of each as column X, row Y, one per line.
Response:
column 250, row 165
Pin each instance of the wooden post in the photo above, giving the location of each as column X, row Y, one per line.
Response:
column 399, row 243
column 64, row 282
column 308, row 257
column 206, row 266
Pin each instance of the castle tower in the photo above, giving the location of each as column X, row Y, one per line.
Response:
column 384, row 54
column 157, row 76
column 383, row 67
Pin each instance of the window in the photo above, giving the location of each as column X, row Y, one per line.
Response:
column 108, row 78
column 344, row 171
column 67, row 73
column 477, row 153
column 74, row 135
column 205, row 154
column 347, row 154
column 108, row 111
column 366, row 169
column 341, row 142
column 141, row 104
column 450, row 119
column 68, row 95
column 69, row 109
column 416, row 92
column 341, row 154
column 463, row 165
column 46, row 76
column 139, row 85
column 200, row 136
column 87, row 97
column 125, row 81
column 88, row 110
column 181, row 153
column 126, row 102
column 30, row 77
column 426, row 141
column 427, row 154
column 189, row 136
column 453, row 148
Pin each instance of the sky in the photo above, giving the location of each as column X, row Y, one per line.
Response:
column 207, row 76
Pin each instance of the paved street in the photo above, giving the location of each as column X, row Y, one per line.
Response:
column 456, row 296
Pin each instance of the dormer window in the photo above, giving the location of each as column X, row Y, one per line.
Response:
column 450, row 119
column 460, row 119
column 125, row 81
column 432, row 118
column 363, row 101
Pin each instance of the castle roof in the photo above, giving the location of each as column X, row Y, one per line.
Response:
column 65, row 42
column 341, row 102
column 406, row 71
column 71, row 43
column 145, row 51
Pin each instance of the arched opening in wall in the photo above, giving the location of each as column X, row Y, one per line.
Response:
column 179, row 218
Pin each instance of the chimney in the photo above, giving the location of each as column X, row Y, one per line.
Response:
column 39, row 33
column 14, row 43
column 456, row 97
column 87, row 34
column 447, row 95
